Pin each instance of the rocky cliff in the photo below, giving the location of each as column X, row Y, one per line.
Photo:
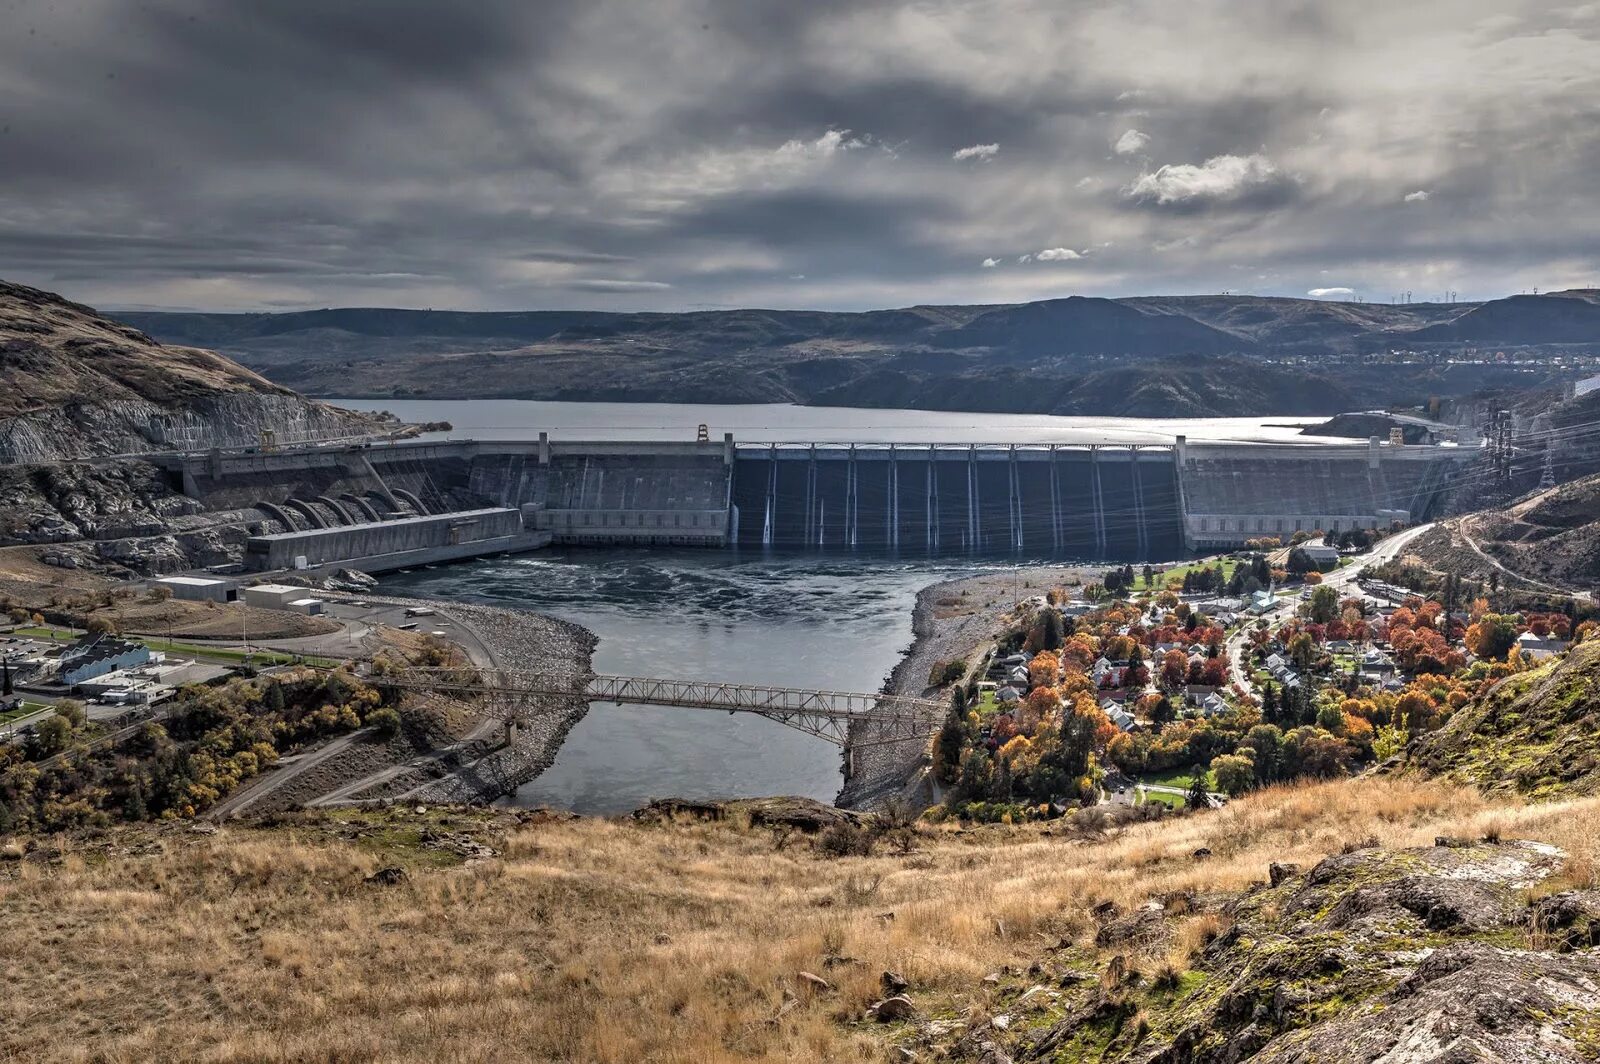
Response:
column 75, row 384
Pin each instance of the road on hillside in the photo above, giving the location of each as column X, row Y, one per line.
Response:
column 1342, row 579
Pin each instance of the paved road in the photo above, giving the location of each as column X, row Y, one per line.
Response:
column 1342, row 579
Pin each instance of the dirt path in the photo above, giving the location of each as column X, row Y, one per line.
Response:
column 1465, row 526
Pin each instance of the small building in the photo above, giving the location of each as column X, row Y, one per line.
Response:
column 1007, row 694
column 272, row 596
column 1376, row 661
column 199, row 588
column 1263, row 601
column 97, row 655
column 1121, row 718
column 1538, row 648
column 1107, row 674
column 309, row 606
column 1324, row 556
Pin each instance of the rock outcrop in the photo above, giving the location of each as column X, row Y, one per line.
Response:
column 75, row 384
column 1406, row 956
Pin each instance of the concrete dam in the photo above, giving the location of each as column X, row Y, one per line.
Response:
column 407, row 501
column 1071, row 501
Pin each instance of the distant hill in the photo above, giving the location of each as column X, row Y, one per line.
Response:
column 74, row 383
column 1292, row 324
column 1028, row 357
column 1571, row 317
column 1082, row 326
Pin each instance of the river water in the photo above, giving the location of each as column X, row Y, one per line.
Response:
column 805, row 621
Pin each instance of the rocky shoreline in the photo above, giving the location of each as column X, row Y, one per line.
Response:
column 520, row 641
column 514, row 640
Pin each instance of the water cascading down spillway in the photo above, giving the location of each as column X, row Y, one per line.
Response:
column 1077, row 502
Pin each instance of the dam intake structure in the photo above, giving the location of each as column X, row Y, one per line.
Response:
column 1123, row 502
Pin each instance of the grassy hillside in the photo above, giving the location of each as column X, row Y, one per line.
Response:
column 443, row 934
column 1535, row 734
column 53, row 353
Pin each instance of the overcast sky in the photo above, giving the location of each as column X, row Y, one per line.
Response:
column 674, row 154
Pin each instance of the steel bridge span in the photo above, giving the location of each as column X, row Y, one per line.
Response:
column 828, row 715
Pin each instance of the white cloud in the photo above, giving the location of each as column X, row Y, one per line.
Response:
column 1057, row 255
column 1222, row 177
column 990, row 264
column 1024, row 258
column 1087, row 182
column 1331, row 293
column 977, row 151
column 606, row 284
column 832, row 142
column 1419, row 196
column 1131, row 142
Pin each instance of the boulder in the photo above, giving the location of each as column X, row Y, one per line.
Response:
column 893, row 1009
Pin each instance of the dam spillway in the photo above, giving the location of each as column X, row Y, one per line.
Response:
column 1111, row 502
column 1114, row 502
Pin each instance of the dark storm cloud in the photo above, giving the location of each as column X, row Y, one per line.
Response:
column 614, row 154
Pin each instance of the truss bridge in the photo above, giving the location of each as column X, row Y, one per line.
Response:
column 847, row 719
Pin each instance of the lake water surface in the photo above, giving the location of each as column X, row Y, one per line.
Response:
column 488, row 419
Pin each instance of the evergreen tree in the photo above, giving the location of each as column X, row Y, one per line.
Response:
column 1269, row 704
column 1197, row 798
column 134, row 807
column 952, row 737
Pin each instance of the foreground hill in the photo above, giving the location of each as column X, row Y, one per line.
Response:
column 1319, row 923
column 1535, row 734
column 75, row 384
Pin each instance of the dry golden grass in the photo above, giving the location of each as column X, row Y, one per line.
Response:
column 617, row 942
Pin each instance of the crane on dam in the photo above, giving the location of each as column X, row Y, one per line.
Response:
column 848, row 719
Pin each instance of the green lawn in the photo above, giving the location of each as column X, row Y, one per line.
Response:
column 1182, row 779
column 1171, row 801
column 26, row 709
column 1180, row 571
column 46, row 632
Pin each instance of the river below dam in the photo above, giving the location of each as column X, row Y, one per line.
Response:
column 804, row 621
column 801, row 620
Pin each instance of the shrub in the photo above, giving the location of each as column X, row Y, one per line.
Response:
column 386, row 722
column 846, row 839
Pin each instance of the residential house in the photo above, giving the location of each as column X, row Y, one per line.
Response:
column 1536, row 648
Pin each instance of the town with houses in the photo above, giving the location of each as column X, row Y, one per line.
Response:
column 1187, row 686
